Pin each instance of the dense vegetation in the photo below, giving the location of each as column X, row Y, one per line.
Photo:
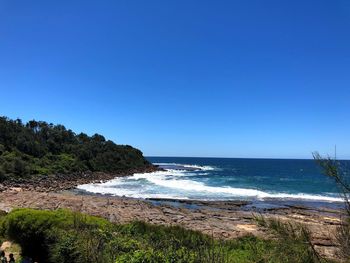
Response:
column 39, row 148
column 64, row 236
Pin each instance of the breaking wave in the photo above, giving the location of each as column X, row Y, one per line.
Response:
column 188, row 166
column 178, row 184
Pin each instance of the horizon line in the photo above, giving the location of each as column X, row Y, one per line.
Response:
column 213, row 157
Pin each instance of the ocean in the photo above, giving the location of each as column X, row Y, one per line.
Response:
column 225, row 179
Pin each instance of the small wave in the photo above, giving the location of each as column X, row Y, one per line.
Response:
column 200, row 167
column 99, row 189
column 167, row 172
column 191, row 166
column 185, row 188
column 189, row 185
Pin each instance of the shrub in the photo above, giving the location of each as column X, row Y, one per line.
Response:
column 40, row 233
column 340, row 174
column 293, row 242
column 2, row 174
column 63, row 236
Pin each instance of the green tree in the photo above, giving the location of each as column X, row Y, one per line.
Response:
column 37, row 147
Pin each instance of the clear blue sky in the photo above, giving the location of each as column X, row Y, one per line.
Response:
column 183, row 78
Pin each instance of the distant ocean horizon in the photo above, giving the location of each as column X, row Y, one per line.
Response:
column 213, row 178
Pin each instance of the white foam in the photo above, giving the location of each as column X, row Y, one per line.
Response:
column 199, row 167
column 190, row 185
column 98, row 189
column 171, row 179
column 192, row 166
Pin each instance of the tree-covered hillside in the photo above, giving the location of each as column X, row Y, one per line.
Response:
column 38, row 147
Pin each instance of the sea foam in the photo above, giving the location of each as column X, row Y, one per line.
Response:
column 190, row 166
column 170, row 184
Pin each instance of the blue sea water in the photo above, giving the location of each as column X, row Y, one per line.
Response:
column 226, row 179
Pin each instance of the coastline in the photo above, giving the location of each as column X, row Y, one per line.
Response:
column 220, row 219
column 61, row 182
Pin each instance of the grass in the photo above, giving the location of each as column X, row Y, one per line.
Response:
column 65, row 236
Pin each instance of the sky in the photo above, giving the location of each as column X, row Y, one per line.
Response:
column 268, row 79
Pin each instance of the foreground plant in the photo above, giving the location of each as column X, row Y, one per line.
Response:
column 294, row 241
column 64, row 236
column 341, row 175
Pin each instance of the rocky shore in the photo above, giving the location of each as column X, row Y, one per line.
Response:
column 220, row 219
column 59, row 182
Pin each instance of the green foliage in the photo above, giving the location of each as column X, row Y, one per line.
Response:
column 47, row 235
column 64, row 236
column 42, row 148
column 294, row 241
column 340, row 174
column 2, row 216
